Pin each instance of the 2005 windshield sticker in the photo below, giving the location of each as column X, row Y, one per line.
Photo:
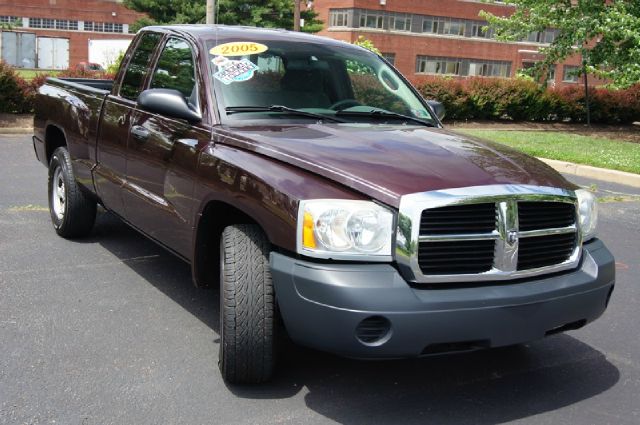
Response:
column 231, row 70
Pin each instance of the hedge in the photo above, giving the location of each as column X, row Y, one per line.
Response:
column 17, row 94
column 525, row 100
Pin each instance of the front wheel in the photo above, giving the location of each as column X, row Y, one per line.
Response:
column 73, row 212
column 247, row 306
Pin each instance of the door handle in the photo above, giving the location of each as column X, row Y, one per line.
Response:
column 139, row 132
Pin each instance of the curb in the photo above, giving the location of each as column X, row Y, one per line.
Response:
column 16, row 130
column 611, row 176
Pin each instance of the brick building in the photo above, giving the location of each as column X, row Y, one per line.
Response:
column 435, row 37
column 77, row 21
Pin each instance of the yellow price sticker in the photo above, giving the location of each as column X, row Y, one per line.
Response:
column 238, row 48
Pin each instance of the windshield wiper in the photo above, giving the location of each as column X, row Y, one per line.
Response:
column 376, row 113
column 279, row 108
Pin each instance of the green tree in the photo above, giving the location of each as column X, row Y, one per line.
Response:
column 363, row 41
column 112, row 68
column 606, row 33
column 11, row 25
column 259, row 13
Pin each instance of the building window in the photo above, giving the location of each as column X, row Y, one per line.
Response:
column 478, row 31
column 432, row 24
column 462, row 67
column 570, row 74
column 551, row 74
column 400, row 22
column 59, row 24
column 371, row 19
column 103, row 27
column 547, row 36
column 338, row 18
column 9, row 19
column 458, row 27
column 444, row 26
column 435, row 65
column 453, row 27
column 63, row 24
column 390, row 57
column 489, row 68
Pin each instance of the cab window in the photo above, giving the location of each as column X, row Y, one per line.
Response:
column 139, row 66
column 176, row 70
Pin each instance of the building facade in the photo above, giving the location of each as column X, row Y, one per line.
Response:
column 67, row 24
column 434, row 37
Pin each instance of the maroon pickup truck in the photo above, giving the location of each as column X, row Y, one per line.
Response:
column 310, row 182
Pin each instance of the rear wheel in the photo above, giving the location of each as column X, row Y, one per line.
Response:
column 73, row 212
column 247, row 306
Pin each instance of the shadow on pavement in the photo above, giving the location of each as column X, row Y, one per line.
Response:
column 163, row 270
column 485, row 387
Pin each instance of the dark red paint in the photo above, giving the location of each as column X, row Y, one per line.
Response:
column 162, row 185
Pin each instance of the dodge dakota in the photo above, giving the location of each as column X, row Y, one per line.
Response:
column 311, row 183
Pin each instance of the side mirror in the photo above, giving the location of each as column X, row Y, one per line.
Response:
column 168, row 102
column 438, row 108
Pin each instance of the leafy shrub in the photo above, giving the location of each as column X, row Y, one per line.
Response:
column 85, row 73
column 14, row 91
column 113, row 68
column 450, row 93
column 367, row 90
column 17, row 95
column 524, row 100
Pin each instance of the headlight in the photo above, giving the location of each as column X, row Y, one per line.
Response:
column 345, row 230
column 588, row 213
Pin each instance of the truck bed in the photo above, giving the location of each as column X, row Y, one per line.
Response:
column 82, row 83
column 72, row 107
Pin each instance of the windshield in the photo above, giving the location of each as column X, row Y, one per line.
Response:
column 342, row 83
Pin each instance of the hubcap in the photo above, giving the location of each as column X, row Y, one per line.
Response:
column 58, row 196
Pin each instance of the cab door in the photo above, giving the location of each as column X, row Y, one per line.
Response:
column 162, row 156
column 110, row 172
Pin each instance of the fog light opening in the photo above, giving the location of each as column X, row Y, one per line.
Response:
column 567, row 327
column 374, row 331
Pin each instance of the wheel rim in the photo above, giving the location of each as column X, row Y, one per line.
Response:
column 58, row 194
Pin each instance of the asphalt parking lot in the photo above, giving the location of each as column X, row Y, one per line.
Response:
column 110, row 330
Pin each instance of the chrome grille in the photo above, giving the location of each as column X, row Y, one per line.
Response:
column 456, row 257
column 471, row 218
column 545, row 251
column 545, row 215
column 487, row 233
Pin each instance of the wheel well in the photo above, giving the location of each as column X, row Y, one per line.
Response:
column 215, row 217
column 54, row 138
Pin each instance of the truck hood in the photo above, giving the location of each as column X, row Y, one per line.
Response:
column 388, row 161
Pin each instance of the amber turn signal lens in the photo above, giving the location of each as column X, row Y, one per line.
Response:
column 308, row 239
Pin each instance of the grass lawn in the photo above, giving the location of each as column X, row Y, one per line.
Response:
column 29, row 74
column 588, row 150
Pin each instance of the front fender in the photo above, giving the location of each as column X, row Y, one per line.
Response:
column 266, row 190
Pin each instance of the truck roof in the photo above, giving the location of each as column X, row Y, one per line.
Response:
column 210, row 32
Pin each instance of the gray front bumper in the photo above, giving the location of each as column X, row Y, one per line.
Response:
column 322, row 305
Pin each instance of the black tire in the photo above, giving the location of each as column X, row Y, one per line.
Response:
column 247, row 306
column 73, row 212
